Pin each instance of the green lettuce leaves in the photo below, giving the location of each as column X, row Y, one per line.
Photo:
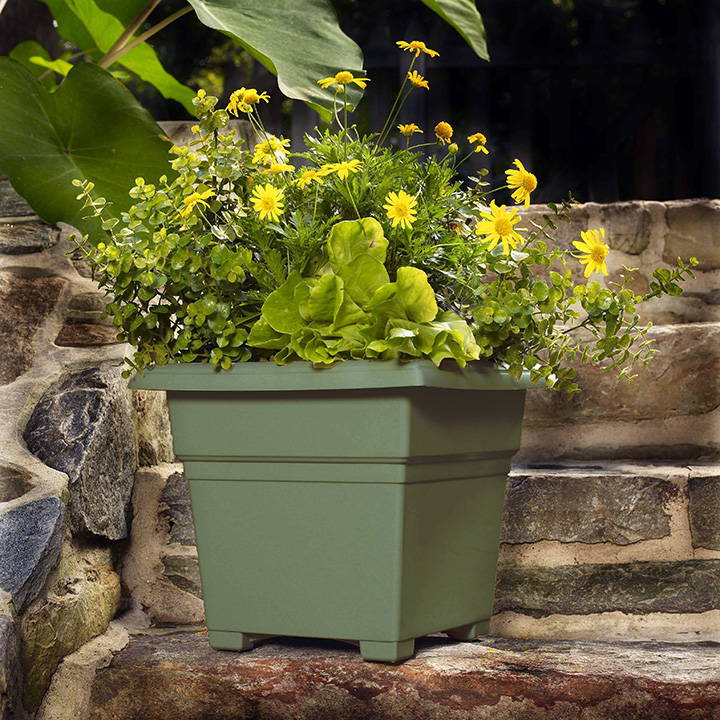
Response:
column 352, row 310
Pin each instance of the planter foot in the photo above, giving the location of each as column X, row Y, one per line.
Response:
column 469, row 632
column 226, row 640
column 388, row 652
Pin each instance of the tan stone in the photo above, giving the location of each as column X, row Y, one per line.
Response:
column 83, row 597
column 86, row 335
column 627, row 225
column 693, row 229
column 152, row 423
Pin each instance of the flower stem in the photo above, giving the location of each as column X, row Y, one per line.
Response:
column 392, row 109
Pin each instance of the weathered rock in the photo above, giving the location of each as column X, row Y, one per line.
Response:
column 10, row 676
column 14, row 482
column 176, row 510
column 566, row 231
column 586, row 506
column 183, row 571
column 704, row 493
column 22, row 238
column 87, row 301
column 81, row 264
column 689, row 586
column 84, row 595
column 30, row 539
column 486, row 680
column 152, row 424
column 11, row 204
column 86, row 335
column 628, row 226
column 83, row 426
column 693, row 229
column 25, row 303
column 682, row 379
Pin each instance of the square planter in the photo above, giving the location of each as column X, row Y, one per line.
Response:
column 361, row 502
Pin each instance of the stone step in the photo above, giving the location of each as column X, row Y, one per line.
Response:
column 175, row 675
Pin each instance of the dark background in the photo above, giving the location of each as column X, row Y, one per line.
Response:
column 610, row 99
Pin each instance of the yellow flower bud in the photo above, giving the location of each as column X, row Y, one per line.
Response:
column 453, row 148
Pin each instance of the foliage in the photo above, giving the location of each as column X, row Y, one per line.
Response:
column 362, row 251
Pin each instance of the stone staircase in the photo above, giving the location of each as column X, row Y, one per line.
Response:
column 608, row 595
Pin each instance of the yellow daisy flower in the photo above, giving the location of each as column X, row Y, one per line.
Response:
column 409, row 129
column 401, row 209
column 276, row 168
column 343, row 169
column 270, row 151
column 480, row 140
column 498, row 225
column 193, row 200
column 243, row 99
column 308, row 176
column 593, row 251
column 344, row 77
column 268, row 201
column 522, row 181
column 417, row 80
column 417, row 47
column 443, row 132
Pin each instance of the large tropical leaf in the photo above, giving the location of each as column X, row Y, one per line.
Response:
column 465, row 18
column 299, row 41
column 88, row 27
column 91, row 128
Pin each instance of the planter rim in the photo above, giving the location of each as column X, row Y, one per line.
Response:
column 349, row 375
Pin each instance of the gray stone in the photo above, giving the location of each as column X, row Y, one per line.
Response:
column 176, row 510
column 14, row 482
column 693, row 229
column 587, row 507
column 11, row 204
column 704, row 492
column 682, row 379
column 152, row 424
column 86, row 335
column 183, row 571
column 688, row 586
column 88, row 301
column 177, row 675
column 627, row 225
column 25, row 303
column 30, row 539
column 83, row 597
column 83, row 426
column 10, row 676
column 23, row 238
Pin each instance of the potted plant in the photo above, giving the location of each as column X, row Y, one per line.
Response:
column 345, row 346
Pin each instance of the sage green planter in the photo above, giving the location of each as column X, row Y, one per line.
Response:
column 360, row 502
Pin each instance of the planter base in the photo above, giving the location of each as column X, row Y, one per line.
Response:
column 470, row 632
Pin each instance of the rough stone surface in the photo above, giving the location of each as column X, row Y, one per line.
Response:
column 14, row 482
column 10, row 677
column 486, row 680
column 152, row 424
column 25, row 303
column 84, row 595
column 183, row 571
column 689, row 586
column 586, row 506
column 87, row 301
column 83, row 426
column 629, row 224
column 682, row 379
column 11, row 204
column 30, row 540
column 704, row 492
column 23, row 238
column 176, row 510
column 693, row 229
column 86, row 335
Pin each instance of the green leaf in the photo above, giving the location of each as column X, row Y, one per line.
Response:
column 350, row 239
column 410, row 297
column 300, row 42
column 281, row 309
column 24, row 51
column 48, row 140
column 464, row 17
column 263, row 336
column 61, row 67
column 362, row 277
column 88, row 27
column 324, row 300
